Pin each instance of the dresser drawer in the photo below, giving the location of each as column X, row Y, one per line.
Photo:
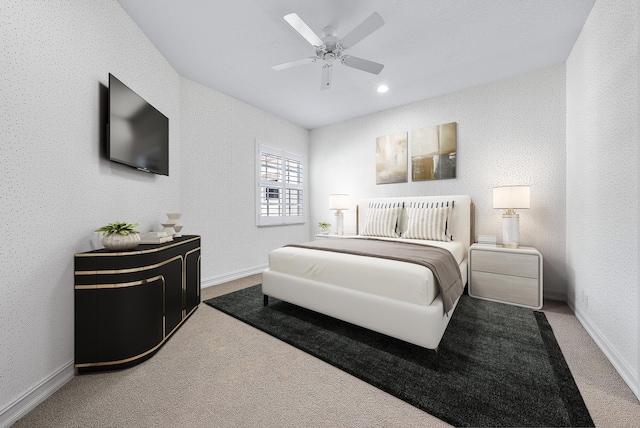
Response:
column 524, row 265
column 510, row 289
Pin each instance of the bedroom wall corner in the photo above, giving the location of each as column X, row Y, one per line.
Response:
column 218, row 180
column 602, row 183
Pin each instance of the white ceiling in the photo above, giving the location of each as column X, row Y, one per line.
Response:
column 428, row 47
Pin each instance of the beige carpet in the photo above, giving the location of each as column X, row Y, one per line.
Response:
column 218, row 372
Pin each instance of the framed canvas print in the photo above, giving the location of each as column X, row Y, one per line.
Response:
column 392, row 158
column 433, row 152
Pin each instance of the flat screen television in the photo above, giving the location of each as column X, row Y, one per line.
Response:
column 137, row 133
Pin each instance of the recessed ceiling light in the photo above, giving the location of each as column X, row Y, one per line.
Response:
column 383, row 88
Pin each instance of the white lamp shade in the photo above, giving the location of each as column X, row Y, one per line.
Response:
column 338, row 202
column 506, row 197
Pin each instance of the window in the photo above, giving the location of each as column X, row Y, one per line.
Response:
column 279, row 191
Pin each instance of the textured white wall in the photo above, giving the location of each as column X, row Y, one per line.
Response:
column 602, row 180
column 509, row 132
column 56, row 185
column 218, row 179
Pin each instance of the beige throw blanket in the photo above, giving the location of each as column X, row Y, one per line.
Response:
column 441, row 262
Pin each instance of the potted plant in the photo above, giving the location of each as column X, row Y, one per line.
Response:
column 120, row 236
column 324, row 227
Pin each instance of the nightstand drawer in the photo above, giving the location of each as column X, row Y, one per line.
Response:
column 510, row 289
column 525, row 265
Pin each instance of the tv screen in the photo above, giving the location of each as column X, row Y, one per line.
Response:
column 138, row 134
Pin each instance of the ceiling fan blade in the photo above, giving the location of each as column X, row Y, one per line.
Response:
column 291, row 64
column 303, row 29
column 366, row 27
column 327, row 74
column 362, row 64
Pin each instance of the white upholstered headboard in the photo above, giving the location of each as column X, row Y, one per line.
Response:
column 460, row 223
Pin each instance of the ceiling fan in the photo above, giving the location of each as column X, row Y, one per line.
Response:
column 330, row 49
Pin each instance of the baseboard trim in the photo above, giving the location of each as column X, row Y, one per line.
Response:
column 626, row 372
column 30, row 399
column 220, row 279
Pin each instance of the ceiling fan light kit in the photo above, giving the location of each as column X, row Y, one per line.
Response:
column 327, row 73
column 329, row 48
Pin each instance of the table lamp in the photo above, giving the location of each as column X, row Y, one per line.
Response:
column 339, row 202
column 509, row 198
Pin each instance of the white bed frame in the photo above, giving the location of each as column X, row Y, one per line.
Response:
column 418, row 324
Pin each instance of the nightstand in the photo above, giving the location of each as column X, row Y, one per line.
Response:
column 506, row 275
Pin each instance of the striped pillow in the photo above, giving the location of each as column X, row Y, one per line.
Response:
column 382, row 220
column 428, row 221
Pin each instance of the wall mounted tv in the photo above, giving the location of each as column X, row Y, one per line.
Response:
column 137, row 133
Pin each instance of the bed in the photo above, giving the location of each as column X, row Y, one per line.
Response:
column 400, row 299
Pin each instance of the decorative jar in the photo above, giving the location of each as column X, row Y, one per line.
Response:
column 117, row 241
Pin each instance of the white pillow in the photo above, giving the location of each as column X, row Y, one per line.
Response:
column 428, row 221
column 382, row 220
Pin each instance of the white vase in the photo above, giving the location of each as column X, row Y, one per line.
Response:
column 173, row 225
column 168, row 229
column 174, row 218
column 117, row 242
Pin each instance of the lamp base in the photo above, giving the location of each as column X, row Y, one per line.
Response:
column 339, row 222
column 511, row 230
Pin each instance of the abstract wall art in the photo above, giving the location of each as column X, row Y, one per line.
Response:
column 392, row 158
column 433, row 152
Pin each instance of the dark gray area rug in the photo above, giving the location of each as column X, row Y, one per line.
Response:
column 498, row 365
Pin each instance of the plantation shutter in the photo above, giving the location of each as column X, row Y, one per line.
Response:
column 279, row 193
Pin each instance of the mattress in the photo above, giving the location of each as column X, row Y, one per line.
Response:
column 407, row 282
